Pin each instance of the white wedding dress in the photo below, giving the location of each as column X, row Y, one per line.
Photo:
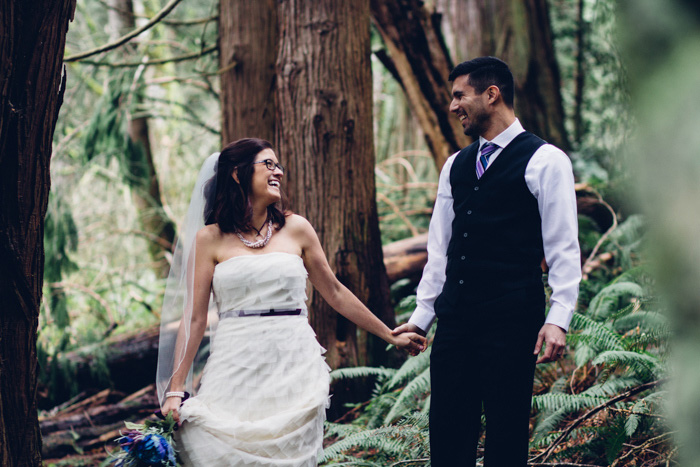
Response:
column 264, row 388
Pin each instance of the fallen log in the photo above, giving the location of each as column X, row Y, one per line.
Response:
column 406, row 258
column 94, row 422
column 589, row 203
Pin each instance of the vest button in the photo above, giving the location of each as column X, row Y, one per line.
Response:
column 476, row 188
column 465, row 234
column 469, row 212
column 461, row 281
column 463, row 258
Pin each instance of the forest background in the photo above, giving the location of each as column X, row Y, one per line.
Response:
column 141, row 112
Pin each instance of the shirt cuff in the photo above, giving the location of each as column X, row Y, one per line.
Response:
column 422, row 318
column 559, row 315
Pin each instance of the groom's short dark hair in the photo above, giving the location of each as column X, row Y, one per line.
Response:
column 484, row 72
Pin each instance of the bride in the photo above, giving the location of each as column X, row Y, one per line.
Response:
column 264, row 389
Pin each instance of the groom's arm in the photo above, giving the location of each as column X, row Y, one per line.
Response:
column 433, row 279
column 550, row 178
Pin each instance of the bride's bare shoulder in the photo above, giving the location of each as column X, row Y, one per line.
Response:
column 298, row 224
column 209, row 233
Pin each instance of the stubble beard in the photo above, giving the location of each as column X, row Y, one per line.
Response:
column 477, row 127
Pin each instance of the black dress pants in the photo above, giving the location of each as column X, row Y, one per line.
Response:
column 483, row 358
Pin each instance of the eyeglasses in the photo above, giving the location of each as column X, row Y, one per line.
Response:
column 270, row 164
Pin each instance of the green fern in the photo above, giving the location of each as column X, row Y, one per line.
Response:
column 410, row 396
column 410, row 369
column 608, row 300
column 636, row 362
column 568, row 402
column 593, row 331
column 361, row 372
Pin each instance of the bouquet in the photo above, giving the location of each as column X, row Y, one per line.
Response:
column 150, row 444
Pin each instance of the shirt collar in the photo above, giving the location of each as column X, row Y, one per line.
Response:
column 506, row 136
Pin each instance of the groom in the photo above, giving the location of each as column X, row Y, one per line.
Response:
column 503, row 204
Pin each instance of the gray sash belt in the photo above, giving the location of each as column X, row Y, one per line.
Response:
column 270, row 312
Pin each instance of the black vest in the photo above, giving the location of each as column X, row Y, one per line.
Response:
column 496, row 245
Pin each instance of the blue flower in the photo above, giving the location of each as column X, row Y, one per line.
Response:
column 127, row 441
column 154, row 450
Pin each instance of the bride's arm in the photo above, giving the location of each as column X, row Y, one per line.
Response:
column 339, row 297
column 203, row 273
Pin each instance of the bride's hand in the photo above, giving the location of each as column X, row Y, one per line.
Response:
column 410, row 342
column 172, row 404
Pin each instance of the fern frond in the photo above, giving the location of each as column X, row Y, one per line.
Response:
column 548, row 422
column 612, row 386
column 410, row 396
column 644, row 320
column 361, row 372
column 628, row 232
column 607, row 301
column 341, row 430
column 568, row 402
column 641, row 363
column 378, row 408
column 410, row 369
column 604, row 337
column 387, row 440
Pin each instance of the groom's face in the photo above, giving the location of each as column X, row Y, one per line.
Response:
column 470, row 107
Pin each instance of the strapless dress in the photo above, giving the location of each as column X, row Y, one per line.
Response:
column 264, row 388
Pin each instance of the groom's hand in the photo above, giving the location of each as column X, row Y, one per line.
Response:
column 554, row 339
column 412, row 328
column 408, row 327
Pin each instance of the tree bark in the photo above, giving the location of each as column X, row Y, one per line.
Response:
column 580, row 73
column 248, row 45
column 325, row 138
column 145, row 188
column 419, row 61
column 32, row 82
column 518, row 32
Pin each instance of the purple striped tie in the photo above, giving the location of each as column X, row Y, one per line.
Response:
column 486, row 150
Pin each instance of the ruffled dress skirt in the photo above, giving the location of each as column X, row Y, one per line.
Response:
column 263, row 397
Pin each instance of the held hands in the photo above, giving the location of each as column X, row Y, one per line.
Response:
column 410, row 338
column 554, row 339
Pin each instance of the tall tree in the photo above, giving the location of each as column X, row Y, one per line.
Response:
column 32, row 82
column 324, row 136
column 519, row 32
column 141, row 171
column 248, row 44
column 416, row 56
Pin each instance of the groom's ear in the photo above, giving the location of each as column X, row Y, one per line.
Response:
column 234, row 174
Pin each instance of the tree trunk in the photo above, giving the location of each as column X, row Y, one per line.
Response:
column 518, row 32
column 419, row 61
column 248, row 45
column 325, row 138
column 145, row 188
column 579, row 73
column 32, row 82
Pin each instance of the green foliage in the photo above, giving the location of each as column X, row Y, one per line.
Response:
column 406, row 440
column 604, row 106
column 107, row 134
column 60, row 240
column 619, row 342
column 96, row 248
column 393, row 425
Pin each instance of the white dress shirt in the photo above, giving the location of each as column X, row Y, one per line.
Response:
column 550, row 178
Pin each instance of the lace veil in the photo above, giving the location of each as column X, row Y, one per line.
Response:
column 176, row 314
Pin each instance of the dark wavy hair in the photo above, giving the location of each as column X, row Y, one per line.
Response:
column 230, row 207
column 484, row 72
